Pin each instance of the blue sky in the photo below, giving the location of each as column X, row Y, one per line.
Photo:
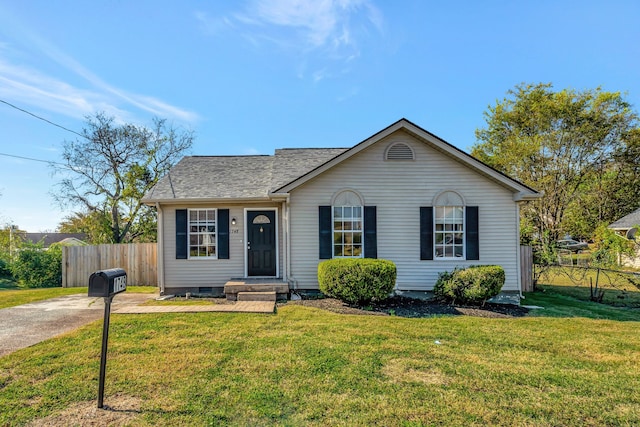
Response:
column 250, row 76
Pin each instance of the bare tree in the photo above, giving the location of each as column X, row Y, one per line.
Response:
column 109, row 170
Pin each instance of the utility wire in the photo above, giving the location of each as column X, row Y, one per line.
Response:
column 36, row 160
column 42, row 118
column 45, row 120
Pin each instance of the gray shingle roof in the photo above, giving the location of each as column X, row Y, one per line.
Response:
column 627, row 222
column 237, row 177
column 291, row 163
column 48, row 239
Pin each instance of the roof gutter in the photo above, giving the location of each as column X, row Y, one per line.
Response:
column 279, row 196
column 203, row 200
column 526, row 197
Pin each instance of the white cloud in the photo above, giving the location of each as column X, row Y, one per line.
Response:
column 317, row 20
column 250, row 151
column 315, row 31
column 212, row 26
column 29, row 86
column 320, row 23
column 320, row 75
column 350, row 94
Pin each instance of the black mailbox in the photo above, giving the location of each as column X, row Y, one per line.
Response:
column 106, row 283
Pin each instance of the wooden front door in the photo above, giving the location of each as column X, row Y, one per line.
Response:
column 261, row 243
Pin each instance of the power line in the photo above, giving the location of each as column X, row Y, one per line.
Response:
column 35, row 160
column 47, row 121
column 42, row 118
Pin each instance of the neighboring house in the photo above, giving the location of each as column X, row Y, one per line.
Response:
column 47, row 239
column 627, row 226
column 402, row 194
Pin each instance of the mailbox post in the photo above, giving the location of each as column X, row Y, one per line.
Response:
column 106, row 284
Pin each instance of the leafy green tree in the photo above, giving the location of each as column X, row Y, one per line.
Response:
column 11, row 241
column 35, row 267
column 626, row 185
column 96, row 225
column 610, row 247
column 108, row 171
column 564, row 144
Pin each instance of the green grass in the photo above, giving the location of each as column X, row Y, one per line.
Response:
column 13, row 297
column 576, row 282
column 557, row 302
column 307, row 367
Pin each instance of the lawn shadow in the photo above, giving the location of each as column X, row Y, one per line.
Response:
column 7, row 283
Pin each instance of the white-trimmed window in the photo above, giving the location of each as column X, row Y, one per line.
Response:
column 449, row 226
column 347, row 225
column 202, row 233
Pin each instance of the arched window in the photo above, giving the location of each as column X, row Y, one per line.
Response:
column 261, row 219
column 399, row 151
column 449, row 225
column 347, row 210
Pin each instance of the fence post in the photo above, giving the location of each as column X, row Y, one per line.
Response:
column 65, row 253
column 526, row 268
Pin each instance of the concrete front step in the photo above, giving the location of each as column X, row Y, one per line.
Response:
column 257, row 296
column 235, row 287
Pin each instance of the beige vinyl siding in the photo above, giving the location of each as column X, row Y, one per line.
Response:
column 210, row 272
column 399, row 189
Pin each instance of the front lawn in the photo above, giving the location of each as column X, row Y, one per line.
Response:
column 558, row 302
column 305, row 366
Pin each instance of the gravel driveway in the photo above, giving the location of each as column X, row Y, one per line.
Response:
column 29, row 324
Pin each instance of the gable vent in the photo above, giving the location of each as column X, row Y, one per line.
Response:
column 399, row 151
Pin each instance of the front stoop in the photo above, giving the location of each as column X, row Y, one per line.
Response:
column 255, row 289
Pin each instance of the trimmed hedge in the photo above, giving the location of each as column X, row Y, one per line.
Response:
column 357, row 281
column 473, row 285
column 38, row 268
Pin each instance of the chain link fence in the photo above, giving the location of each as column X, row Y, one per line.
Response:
column 575, row 276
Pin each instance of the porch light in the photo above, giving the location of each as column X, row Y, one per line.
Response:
column 233, row 221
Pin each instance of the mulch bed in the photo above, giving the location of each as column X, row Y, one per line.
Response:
column 410, row 307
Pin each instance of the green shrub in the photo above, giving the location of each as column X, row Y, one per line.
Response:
column 5, row 269
column 357, row 281
column 35, row 267
column 473, row 285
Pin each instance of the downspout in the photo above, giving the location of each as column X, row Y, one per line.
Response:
column 285, row 241
column 518, row 261
column 160, row 248
column 287, row 210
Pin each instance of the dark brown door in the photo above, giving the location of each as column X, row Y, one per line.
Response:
column 261, row 243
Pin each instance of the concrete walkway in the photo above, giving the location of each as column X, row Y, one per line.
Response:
column 267, row 307
column 25, row 325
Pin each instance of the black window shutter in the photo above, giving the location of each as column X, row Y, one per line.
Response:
column 370, row 232
column 426, row 232
column 223, row 233
column 471, row 233
column 181, row 234
column 324, row 217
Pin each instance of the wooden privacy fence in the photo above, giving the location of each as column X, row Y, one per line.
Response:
column 526, row 268
column 139, row 260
